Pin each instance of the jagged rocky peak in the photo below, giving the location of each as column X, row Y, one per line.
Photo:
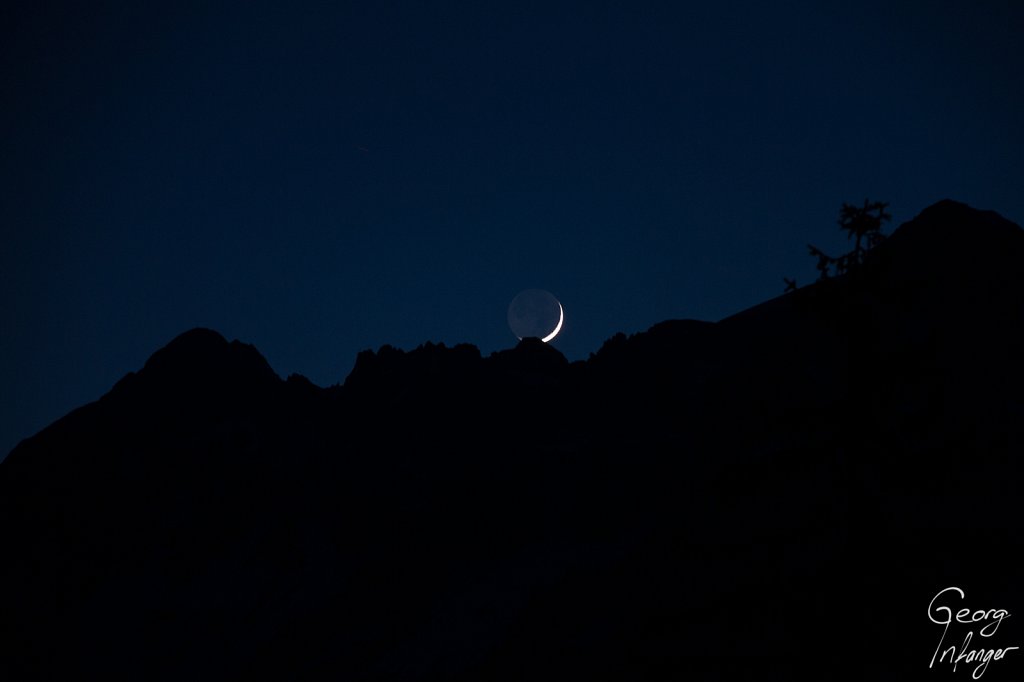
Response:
column 531, row 358
column 202, row 356
column 952, row 239
column 951, row 217
column 429, row 359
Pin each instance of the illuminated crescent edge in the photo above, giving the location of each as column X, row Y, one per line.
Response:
column 558, row 327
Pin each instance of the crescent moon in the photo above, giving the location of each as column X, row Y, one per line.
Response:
column 558, row 327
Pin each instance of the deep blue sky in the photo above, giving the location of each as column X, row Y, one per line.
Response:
column 318, row 179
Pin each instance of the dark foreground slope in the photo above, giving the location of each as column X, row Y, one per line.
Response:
column 777, row 495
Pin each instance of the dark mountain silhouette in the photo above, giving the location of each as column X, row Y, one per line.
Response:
column 776, row 495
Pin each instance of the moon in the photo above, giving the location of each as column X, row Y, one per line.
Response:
column 536, row 313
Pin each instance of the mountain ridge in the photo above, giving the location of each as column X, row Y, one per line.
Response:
column 200, row 349
column 442, row 515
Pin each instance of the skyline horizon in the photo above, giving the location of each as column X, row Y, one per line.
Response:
column 320, row 180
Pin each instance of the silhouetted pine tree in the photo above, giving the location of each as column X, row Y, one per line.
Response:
column 862, row 223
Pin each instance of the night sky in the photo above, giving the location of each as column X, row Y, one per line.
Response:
column 319, row 179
